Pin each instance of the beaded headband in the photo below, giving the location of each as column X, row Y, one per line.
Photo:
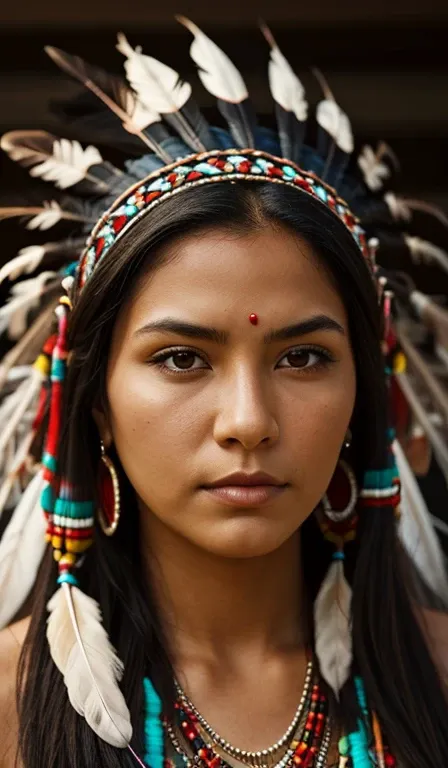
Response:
column 197, row 170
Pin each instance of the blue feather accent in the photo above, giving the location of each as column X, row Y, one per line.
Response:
column 153, row 735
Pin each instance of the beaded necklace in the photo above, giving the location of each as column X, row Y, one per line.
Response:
column 307, row 749
column 309, row 734
column 255, row 759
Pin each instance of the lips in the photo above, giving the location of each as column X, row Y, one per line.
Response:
column 243, row 479
column 246, row 490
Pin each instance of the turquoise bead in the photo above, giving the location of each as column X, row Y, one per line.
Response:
column 289, row 172
column 68, row 578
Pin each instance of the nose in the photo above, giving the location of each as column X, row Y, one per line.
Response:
column 245, row 415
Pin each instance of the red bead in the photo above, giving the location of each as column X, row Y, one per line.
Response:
column 193, row 175
column 119, row 222
column 390, row 761
column 302, row 183
column 152, row 196
column 99, row 246
column 244, row 167
column 274, row 171
column 172, row 178
column 253, row 318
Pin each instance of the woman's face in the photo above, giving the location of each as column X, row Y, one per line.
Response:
column 198, row 392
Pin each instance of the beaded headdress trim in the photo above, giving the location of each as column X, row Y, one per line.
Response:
column 205, row 168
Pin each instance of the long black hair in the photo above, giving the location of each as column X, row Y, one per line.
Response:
column 390, row 651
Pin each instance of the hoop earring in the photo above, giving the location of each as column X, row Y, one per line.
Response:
column 338, row 515
column 109, row 510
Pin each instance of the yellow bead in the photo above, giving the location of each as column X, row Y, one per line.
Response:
column 57, row 555
column 42, row 364
column 68, row 559
column 56, row 542
column 76, row 546
column 400, row 363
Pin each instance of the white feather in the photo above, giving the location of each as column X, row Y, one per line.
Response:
column 21, row 550
column 286, row 88
column 397, row 206
column 333, row 642
column 332, row 119
column 423, row 249
column 27, row 260
column 142, row 117
column 29, row 391
column 374, row 171
column 52, row 214
column 416, row 531
column 68, row 165
column 217, row 72
column 158, row 86
column 24, row 296
column 11, row 401
column 12, row 470
column 82, row 651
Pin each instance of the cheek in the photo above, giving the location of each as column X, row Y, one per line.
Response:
column 154, row 429
column 315, row 430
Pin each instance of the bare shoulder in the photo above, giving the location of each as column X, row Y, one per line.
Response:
column 436, row 625
column 11, row 641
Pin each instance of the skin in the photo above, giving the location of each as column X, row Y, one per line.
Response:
column 228, row 579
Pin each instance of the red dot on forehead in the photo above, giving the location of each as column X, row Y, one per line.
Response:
column 253, row 318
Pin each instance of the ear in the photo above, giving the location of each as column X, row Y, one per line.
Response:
column 102, row 422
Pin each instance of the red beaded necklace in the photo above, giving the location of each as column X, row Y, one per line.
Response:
column 308, row 749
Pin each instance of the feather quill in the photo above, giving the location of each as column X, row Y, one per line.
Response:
column 41, row 217
column 29, row 258
column 416, row 531
column 160, row 87
column 30, row 343
column 22, row 400
column 61, row 161
column 371, row 164
column 333, row 642
column 222, row 79
column 332, row 119
column 424, row 250
column 12, row 471
column 335, row 138
column 290, row 103
column 138, row 119
column 373, row 170
column 24, row 297
column 21, row 550
column 82, row 651
column 403, row 207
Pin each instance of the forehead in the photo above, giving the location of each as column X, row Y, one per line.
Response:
column 218, row 273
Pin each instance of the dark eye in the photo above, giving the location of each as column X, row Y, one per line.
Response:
column 179, row 360
column 304, row 357
column 183, row 361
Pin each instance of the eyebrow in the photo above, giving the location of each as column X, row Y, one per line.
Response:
column 205, row 333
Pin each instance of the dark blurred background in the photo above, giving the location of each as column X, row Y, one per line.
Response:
column 387, row 63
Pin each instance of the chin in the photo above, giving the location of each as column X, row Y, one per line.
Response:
column 244, row 537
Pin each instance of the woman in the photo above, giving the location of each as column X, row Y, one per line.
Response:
column 220, row 431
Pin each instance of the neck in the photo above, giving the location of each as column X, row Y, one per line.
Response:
column 216, row 607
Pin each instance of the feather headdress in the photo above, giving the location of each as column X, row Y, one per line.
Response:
column 153, row 109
